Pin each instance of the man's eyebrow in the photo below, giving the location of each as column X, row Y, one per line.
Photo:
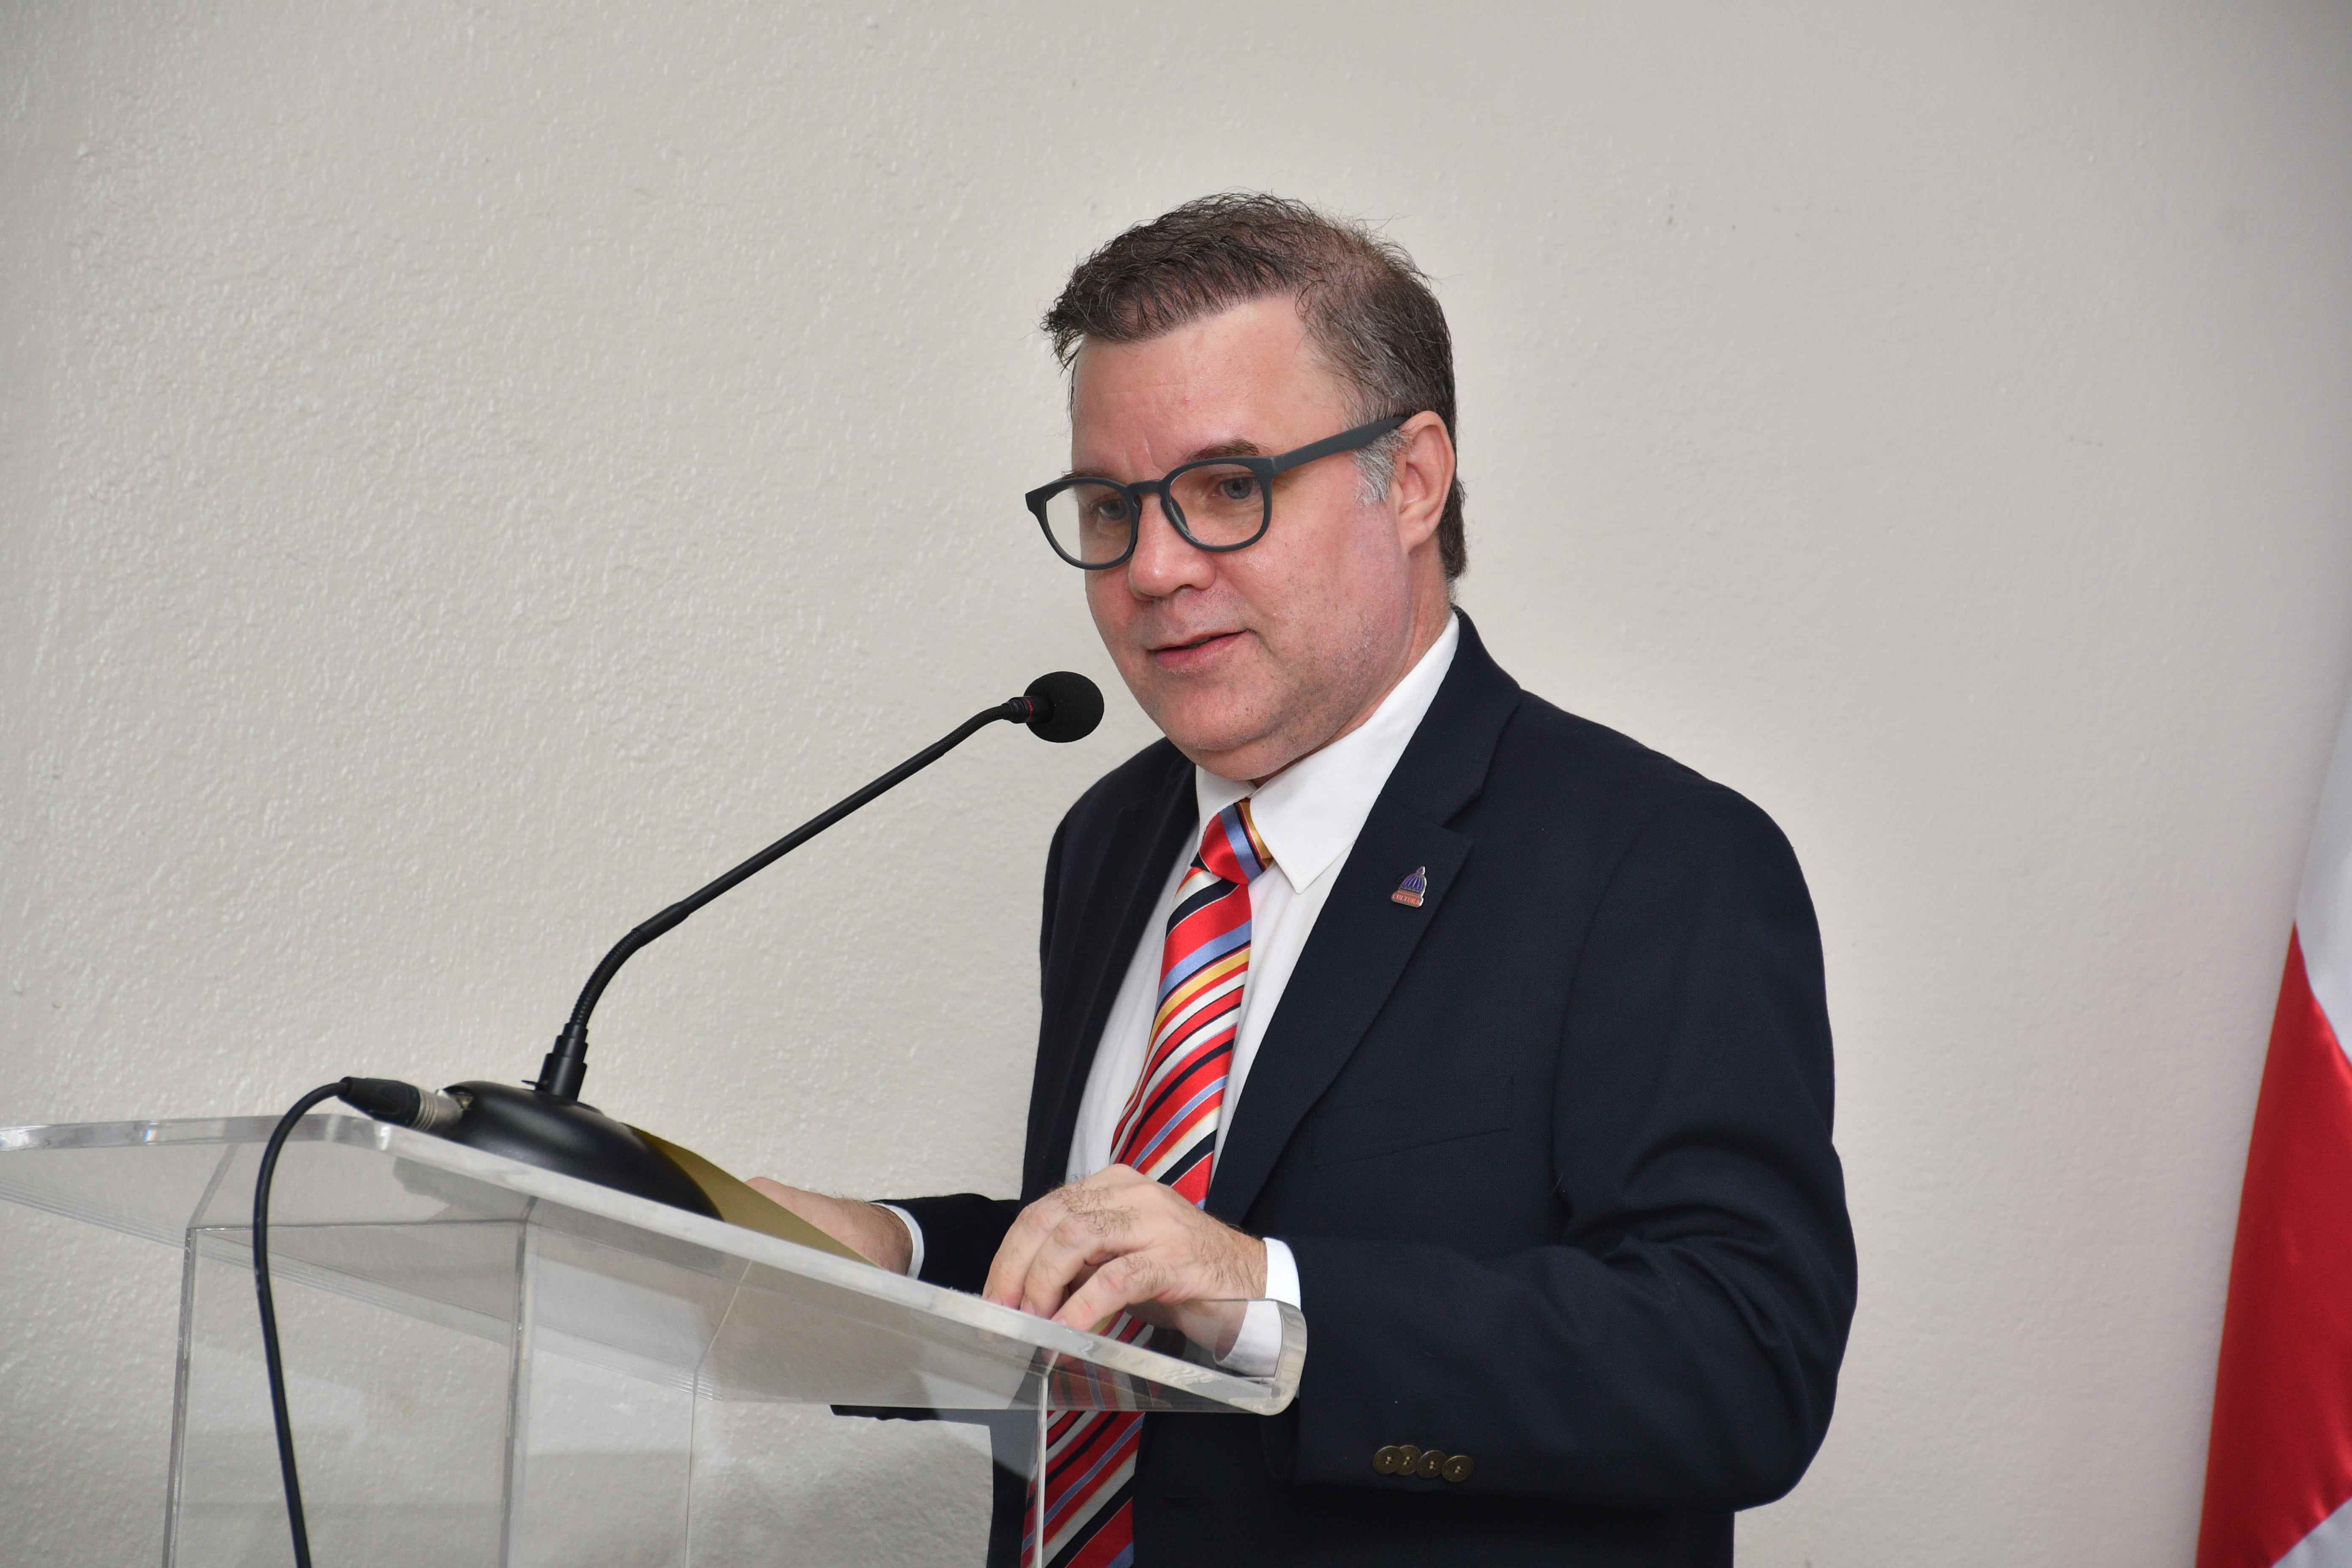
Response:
column 1234, row 448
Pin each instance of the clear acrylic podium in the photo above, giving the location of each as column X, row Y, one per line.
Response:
column 491, row 1363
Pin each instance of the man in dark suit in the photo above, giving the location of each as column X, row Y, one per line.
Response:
column 1494, row 1041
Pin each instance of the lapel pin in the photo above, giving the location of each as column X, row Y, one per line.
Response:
column 1411, row 891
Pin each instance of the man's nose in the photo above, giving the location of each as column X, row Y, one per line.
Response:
column 1164, row 560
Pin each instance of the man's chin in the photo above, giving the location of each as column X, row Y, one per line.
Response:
column 1221, row 725
column 1214, row 740
column 1242, row 757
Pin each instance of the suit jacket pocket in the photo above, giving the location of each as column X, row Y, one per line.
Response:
column 1365, row 1128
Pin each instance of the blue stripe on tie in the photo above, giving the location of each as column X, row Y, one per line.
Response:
column 1138, row 1158
column 1201, row 957
column 1238, row 838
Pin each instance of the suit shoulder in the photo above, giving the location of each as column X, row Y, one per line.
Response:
column 1546, row 746
column 1608, row 776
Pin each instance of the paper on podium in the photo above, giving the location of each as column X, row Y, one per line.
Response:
column 739, row 1203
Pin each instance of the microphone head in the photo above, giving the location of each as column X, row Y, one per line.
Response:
column 1063, row 705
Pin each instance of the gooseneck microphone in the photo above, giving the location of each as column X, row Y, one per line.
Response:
column 1060, row 707
column 545, row 1124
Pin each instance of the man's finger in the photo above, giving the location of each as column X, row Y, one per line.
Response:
column 1129, row 1279
column 1093, row 1227
column 1016, row 1254
column 1010, row 1265
column 1017, row 1260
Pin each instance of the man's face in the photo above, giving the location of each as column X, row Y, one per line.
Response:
column 1247, row 661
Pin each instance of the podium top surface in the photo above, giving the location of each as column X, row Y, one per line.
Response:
column 487, row 1246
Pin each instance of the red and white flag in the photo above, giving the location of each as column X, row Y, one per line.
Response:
column 2278, row 1475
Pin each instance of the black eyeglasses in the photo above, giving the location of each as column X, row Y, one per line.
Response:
column 1216, row 503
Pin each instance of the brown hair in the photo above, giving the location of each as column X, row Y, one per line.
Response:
column 1368, row 309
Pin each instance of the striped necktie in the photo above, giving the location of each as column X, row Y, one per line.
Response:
column 1169, row 1133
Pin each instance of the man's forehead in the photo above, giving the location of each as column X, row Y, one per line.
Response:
column 1218, row 379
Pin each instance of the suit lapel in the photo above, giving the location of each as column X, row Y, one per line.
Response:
column 1363, row 939
column 1119, row 902
column 1362, row 943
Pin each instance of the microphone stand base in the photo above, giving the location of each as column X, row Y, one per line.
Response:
column 571, row 1140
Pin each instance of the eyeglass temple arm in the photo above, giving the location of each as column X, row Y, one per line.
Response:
column 1346, row 440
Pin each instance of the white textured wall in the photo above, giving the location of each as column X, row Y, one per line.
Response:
column 468, row 474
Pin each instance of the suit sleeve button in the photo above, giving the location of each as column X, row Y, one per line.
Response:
column 1456, row 1469
column 1407, row 1456
column 1385, row 1461
column 1432, row 1463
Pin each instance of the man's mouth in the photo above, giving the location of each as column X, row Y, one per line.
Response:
column 1184, row 650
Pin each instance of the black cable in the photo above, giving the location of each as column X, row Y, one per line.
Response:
column 277, row 1137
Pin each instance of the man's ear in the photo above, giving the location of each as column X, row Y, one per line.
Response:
column 1421, row 477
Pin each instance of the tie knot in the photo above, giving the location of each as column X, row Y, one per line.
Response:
column 1231, row 848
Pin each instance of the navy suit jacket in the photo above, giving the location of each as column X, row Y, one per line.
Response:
column 1552, row 1151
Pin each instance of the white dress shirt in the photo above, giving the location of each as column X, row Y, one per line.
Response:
column 1308, row 815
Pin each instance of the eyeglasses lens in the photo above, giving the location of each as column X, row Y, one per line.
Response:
column 1091, row 523
column 1222, row 503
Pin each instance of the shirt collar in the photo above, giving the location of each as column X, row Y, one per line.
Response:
column 1310, row 813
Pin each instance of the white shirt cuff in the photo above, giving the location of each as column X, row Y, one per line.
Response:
column 1257, row 1349
column 1281, row 1273
column 915, row 1256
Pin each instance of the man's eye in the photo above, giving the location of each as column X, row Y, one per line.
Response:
column 1237, row 487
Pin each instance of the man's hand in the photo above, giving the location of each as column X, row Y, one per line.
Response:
column 872, row 1231
column 1119, row 1240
